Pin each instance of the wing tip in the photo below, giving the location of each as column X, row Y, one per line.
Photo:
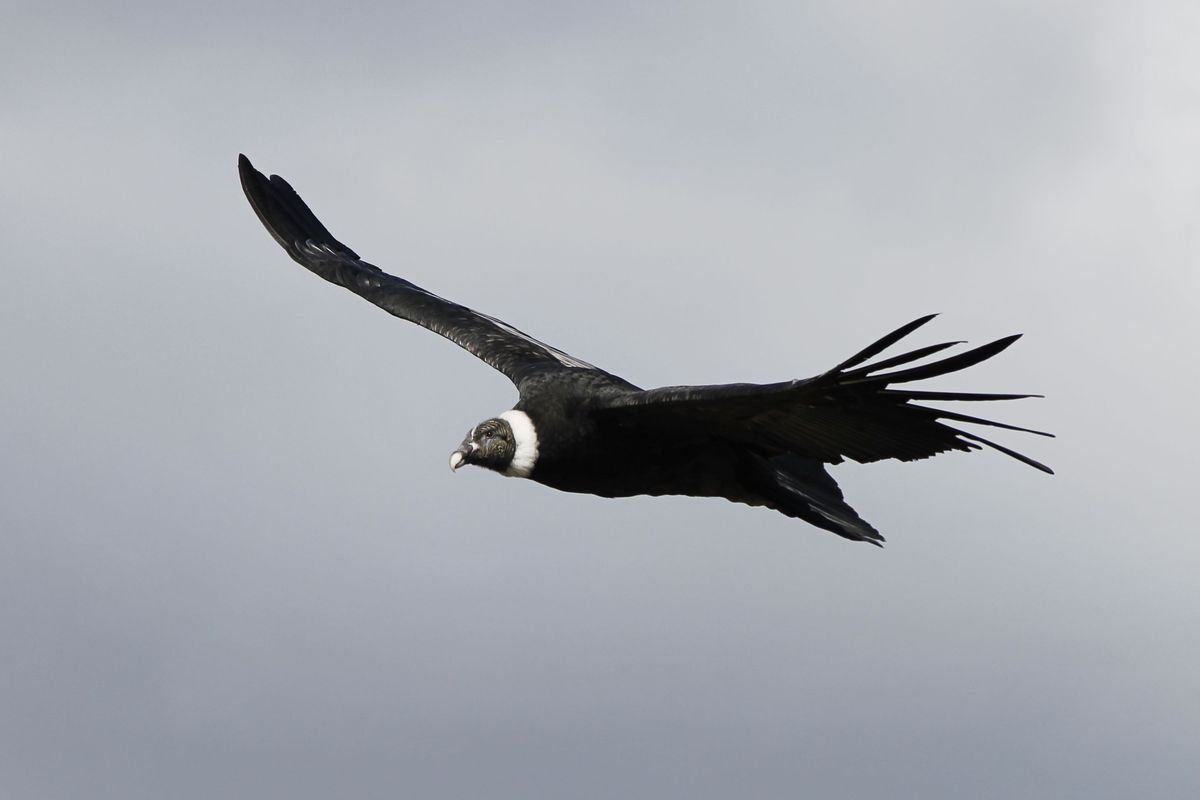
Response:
column 1008, row 341
column 246, row 170
column 1024, row 459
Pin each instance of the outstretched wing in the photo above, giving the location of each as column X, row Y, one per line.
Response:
column 846, row 412
column 310, row 244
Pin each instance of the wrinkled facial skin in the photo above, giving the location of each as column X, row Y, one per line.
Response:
column 489, row 444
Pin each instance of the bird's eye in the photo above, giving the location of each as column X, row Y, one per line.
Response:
column 488, row 435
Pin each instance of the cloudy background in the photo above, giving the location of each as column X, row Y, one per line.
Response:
column 233, row 562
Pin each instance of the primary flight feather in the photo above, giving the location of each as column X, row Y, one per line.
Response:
column 578, row 428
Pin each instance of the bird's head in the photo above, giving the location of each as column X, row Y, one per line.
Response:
column 489, row 444
column 506, row 444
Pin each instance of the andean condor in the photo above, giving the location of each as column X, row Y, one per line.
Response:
column 580, row 429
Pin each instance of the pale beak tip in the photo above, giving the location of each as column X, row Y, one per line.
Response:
column 456, row 460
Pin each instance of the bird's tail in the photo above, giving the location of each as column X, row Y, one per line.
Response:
column 800, row 487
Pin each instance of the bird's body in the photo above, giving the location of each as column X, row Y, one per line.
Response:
column 581, row 449
column 577, row 428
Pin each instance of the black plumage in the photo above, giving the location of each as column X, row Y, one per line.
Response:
column 578, row 428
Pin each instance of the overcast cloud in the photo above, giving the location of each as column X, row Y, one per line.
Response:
column 233, row 562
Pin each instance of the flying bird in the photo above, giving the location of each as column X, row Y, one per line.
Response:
column 577, row 428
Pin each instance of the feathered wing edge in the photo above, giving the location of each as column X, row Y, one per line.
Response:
column 294, row 226
column 286, row 217
column 801, row 487
column 793, row 428
column 849, row 411
column 869, row 382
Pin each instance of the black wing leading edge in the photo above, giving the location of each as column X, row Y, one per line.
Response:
column 849, row 411
column 310, row 244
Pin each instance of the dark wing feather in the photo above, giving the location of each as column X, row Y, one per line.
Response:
column 310, row 244
column 842, row 413
column 883, row 343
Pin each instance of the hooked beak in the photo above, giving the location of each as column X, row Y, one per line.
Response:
column 458, row 458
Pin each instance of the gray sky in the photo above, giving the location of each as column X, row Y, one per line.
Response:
column 234, row 564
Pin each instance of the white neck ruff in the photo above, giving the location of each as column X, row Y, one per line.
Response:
column 526, row 441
